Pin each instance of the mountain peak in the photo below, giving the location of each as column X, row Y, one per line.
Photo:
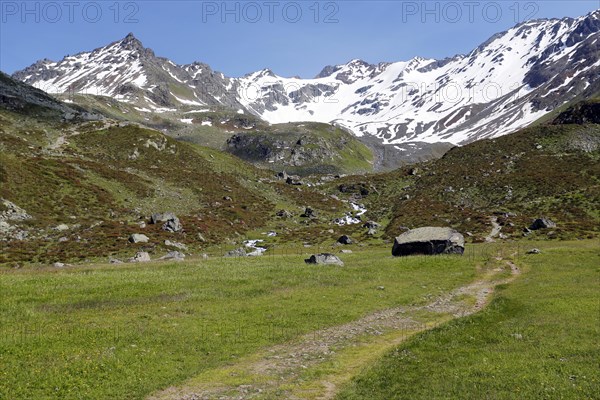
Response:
column 130, row 42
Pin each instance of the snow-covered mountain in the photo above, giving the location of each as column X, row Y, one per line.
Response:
column 509, row 81
column 129, row 72
column 506, row 83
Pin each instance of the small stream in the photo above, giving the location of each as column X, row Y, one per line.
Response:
column 252, row 245
column 352, row 218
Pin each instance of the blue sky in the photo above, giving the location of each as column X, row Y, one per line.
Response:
column 289, row 37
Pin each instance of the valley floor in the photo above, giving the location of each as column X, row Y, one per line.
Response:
column 274, row 328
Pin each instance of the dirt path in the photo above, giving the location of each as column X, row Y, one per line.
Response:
column 496, row 228
column 280, row 367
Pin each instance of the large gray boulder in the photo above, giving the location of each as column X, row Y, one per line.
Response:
column 162, row 217
column 138, row 238
column 140, row 256
column 324, row 259
column 542, row 223
column 429, row 241
column 171, row 222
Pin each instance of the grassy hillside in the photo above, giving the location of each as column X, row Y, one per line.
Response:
column 547, row 170
column 103, row 178
column 537, row 340
column 327, row 149
column 303, row 148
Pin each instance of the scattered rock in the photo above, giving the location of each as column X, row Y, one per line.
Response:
column 227, row 198
column 429, row 241
column 324, row 259
column 380, row 287
column 63, row 239
column 308, row 213
column 58, row 265
column 140, row 256
column 173, row 256
column 61, row 227
column 114, row 261
column 171, row 221
column 284, row 214
column 172, row 225
column 295, row 181
column 177, row 245
column 201, row 237
column 204, row 256
column 240, row 252
column 13, row 212
column 534, row 251
column 542, row 223
column 345, row 239
column 371, row 225
column 371, row 232
column 138, row 238
column 346, row 251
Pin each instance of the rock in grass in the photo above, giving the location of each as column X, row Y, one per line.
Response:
column 429, row 241
column 284, row 214
column 542, row 223
column 324, row 259
column 58, row 265
column 308, row 213
column 345, row 239
column 157, row 218
column 171, row 222
column 61, row 227
column 172, row 225
column 371, row 225
column 534, row 251
column 140, row 256
column 173, row 256
column 241, row 252
column 138, row 238
column 177, row 245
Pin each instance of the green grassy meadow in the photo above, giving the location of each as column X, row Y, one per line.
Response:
column 538, row 339
column 123, row 332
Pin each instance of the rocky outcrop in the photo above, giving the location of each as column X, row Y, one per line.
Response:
column 586, row 112
column 429, row 241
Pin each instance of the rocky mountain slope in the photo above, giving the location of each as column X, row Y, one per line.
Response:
column 506, row 83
